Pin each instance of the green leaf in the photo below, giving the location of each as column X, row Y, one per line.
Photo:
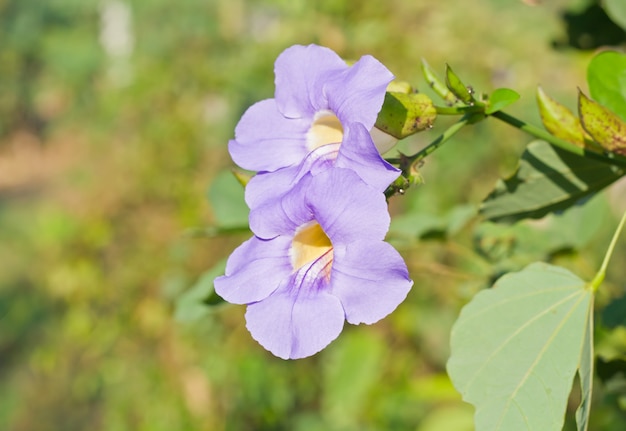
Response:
column 548, row 179
column 500, row 99
column 616, row 10
column 195, row 303
column 585, row 373
column 606, row 77
column 559, row 120
column 606, row 128
column 516, row 348
column 456, row 86
column 226, row 196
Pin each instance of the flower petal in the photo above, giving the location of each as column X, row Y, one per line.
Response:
column 371, row 280
column 254, row 270
column 356, row 94
column 358, row 152
column 300, row 74
column 347, row 208
column 284, row 215
column 293, row 324
column 268, row 186
column 266, row 141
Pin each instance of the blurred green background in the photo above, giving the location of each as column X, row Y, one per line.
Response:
column 117, row 209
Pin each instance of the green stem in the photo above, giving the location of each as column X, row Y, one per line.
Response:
column 458, row 110
column 557, row 142
column 599, row 278
column 438, row 142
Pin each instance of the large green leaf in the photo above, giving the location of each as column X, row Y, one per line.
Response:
column 548, row 179
column 516, row 348
column 606, row 76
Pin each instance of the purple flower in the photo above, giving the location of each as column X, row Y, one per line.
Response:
column 321, row 116
column 318, row 261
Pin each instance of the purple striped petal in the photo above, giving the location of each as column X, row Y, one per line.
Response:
column 295, row 322
column 346, row 207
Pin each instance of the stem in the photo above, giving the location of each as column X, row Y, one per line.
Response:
column 558, row 142
column 438, row 142
column 599, row 278
column 458, row 110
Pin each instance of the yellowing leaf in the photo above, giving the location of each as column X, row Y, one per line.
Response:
column 606, row 128
column 559, row 120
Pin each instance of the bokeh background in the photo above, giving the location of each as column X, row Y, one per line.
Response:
column 118, row 208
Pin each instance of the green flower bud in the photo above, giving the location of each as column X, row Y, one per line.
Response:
column 404, row 114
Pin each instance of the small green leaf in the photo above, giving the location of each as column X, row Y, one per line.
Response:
column 616, row 10
column 559, row 120
column 500, row 99
column 548, row 179
column 196, row 301
column 516, row 348
column 226, row 196
column 606, row 77
column 404, row 114
column 456, row 86
column 606, row 128
column 435, row 83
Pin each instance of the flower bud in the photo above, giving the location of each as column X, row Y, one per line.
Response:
column 404, row 114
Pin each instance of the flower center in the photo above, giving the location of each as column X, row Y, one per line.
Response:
column 310, row 243
column 326, row 129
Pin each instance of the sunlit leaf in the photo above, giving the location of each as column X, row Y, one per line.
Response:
column 516, row 348
column 606, row 76
column 500, row 99
column 559, row 120
column 548, row 179
column 456, row 86
column 616, row 10
column 606, row 128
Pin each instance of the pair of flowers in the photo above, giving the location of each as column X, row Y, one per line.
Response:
column 317, row 207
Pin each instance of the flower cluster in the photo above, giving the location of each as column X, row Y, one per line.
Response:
column 317, row 207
